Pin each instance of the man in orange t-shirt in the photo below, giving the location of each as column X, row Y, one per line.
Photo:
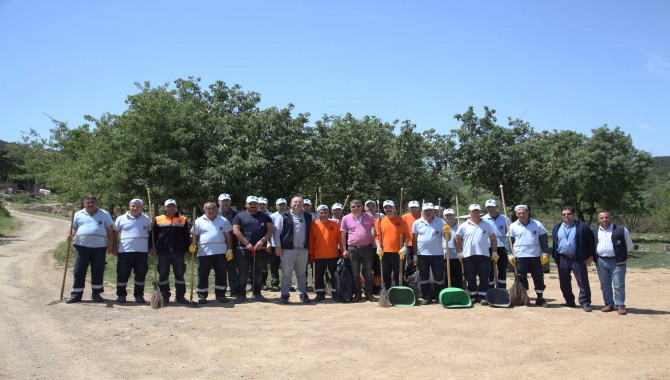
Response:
column 412, row 216
column 389, row 230
column 324, row 251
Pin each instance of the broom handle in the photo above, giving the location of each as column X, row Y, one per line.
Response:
column 400, row 208
column 509, row 237
column 448, row 264
column 402, row 262
column 67, row 256
column 153, row 237
column 195, row 242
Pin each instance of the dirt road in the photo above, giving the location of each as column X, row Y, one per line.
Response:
column 328, row 340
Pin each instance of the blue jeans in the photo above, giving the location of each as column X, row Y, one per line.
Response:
column 610, row 274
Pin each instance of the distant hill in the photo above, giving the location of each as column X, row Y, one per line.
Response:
column 660, row 166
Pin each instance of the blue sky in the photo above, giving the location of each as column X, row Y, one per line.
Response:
column 558, row 65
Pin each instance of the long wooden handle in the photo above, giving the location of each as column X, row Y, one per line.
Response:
column 509, row 237
column 67, row 256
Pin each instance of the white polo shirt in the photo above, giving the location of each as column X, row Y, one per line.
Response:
column 91, row 229
column 212, row 237
column 133, row 233
column 475, row 238
column 527, row 238
column 429, row 236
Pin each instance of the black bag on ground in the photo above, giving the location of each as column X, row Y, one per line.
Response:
column 344, row 279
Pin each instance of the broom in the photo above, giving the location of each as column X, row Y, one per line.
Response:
column 518, row 294
column 156, row 301
column 191, row 303
column 458, row 223
column 383, row 294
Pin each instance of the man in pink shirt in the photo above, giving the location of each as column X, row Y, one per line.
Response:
column 356, row 230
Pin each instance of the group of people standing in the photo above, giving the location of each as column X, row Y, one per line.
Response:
column 239, row 246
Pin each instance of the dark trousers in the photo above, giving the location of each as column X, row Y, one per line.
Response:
column 178, row 267
column 85, row 256
column 137, row 262
column 567, row 265
column 245, row 261
column 361, row 261
column 320, row 267
column 275, row 263
column 409, row 257
column 477, row 266
column 205, row 266
column 427, row 264
column 456, row 273
column 501, row 282
column 391, row 268
column 524, row 265
column 232, row 275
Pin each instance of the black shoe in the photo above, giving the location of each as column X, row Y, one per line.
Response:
column 568, row 304
column 305, row 299
column 587, row 307
column 284, row 299
column 202, row 300
column 240, row 299
column 541, row 302
column 121, row 299
column 182, row 300
column 426, row 301
column 73, row 300
column 260, row 298
column 97, row 298
column 274, row 288
column 320, row 297
column 140, row 299
column 222, row 299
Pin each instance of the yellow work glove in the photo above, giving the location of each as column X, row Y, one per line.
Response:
column 380, row 253
column 229, row 255
column 544, row 259
column 402, row 252
column 192, row 248
column 268, row 249
column 511, row 259
column 446, row 229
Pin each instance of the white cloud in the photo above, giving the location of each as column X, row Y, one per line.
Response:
column 658, row 66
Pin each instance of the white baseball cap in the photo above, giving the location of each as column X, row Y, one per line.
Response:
column 436, row 208
column 370, row 201
column 224, row 196
column 337, row 206
column 389, row 202
column 427, row 206
column 413, row 204
column 281, row 201
column 307, row 202
column 474, row 206
column 170, row 202
column 252, row 198
column 322, row 207
column 448, row 211
column 262, row 200
column 491, row 203
column 138, row 201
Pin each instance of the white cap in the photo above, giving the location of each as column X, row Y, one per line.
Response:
column 491, row 203
column 389, row 202
column 520, row 207
column 170, row 202
column 281, row 201
column 138, row 201
column 370, row 201
column 224, row 196
column 436, row 208
column 413, row 204
column 322, row 207
column 307, row 202
column 427, row 206
column 474, row 206
column 337, row 206
column 252, row 198
column 262, row 200
column 448, row 211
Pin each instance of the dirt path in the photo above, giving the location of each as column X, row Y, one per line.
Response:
column 252, row 340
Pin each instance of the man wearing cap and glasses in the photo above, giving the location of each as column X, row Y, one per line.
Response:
column 307, row 207
column 227, row 212
column 93, row 237
column 573, row 248
column 453, row 259
column 337, row 210
column 172, row 235
column 131, row 231
column 275, row 261
column 292, row 238
column 531, row 244
column 390, row 249
column 253, row 230
column 356, row 238
column 473, row 239
column 428, row 233
column 324, row 251
column 499, row 224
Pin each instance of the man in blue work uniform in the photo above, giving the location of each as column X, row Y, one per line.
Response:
column 93, row 237
column 131, row 233
column 499, row 223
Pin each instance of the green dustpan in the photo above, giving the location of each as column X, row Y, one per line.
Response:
column 453, row 298
column 401, row 296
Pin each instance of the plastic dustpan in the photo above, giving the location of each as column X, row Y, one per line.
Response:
column 498, row 297
column 453, row 298
column 401, row 296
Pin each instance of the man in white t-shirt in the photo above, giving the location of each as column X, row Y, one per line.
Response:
column 131, row 233
column 428, row 233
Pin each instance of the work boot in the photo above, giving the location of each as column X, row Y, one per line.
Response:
column 202, row 300
column 222, row 299
column 121, row 299
column 541, row 302
column 274, row 288
column 96, row 297
column 260, row 298
column 73, row 300
column 305, row 299
column 587, row 307
column 140, row 300
column 182, row 300
column 284, row 299
column 240, row 299
column 319, row 297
